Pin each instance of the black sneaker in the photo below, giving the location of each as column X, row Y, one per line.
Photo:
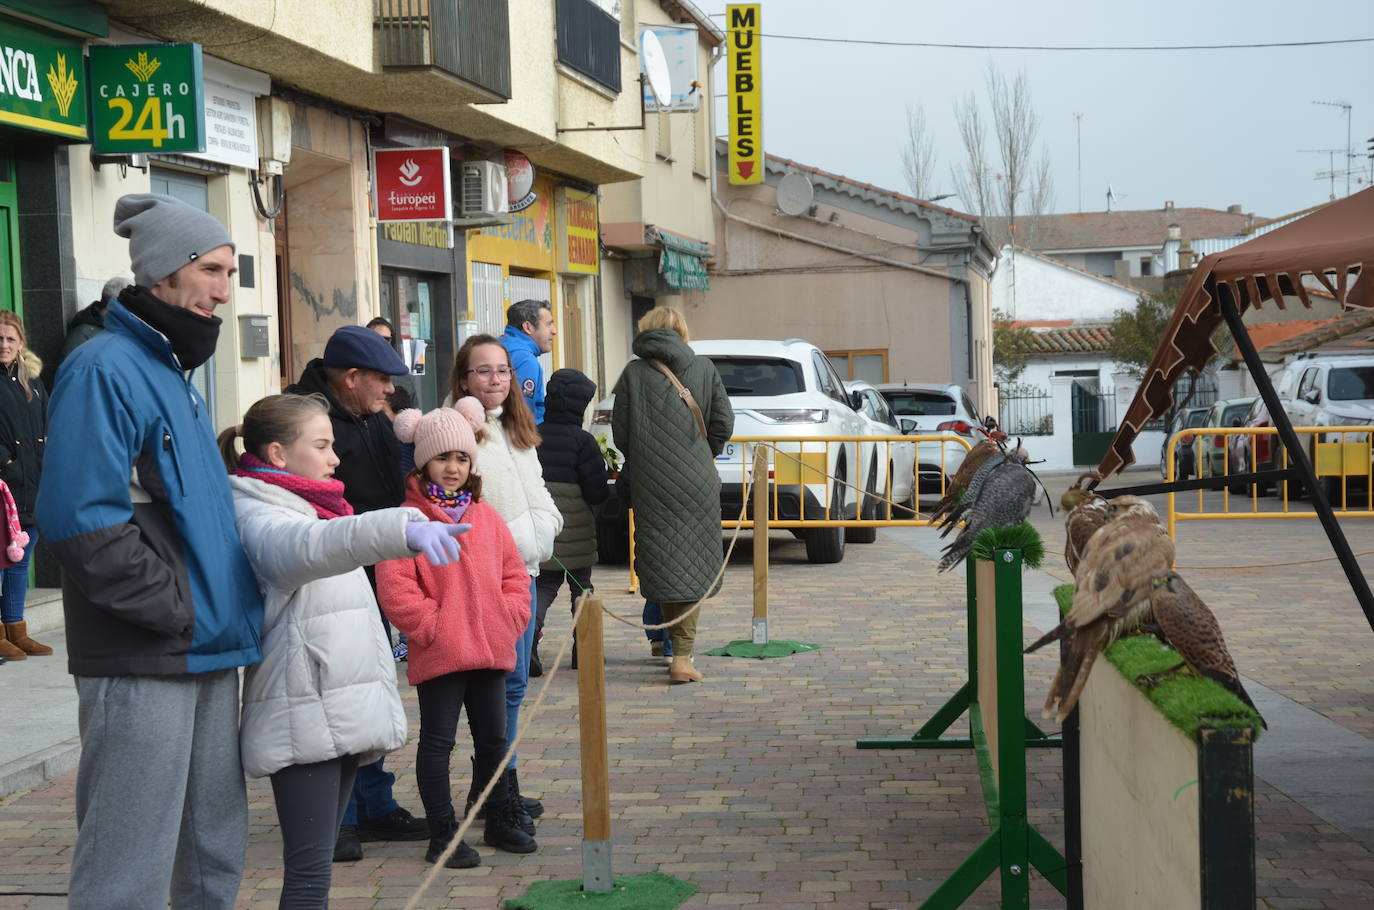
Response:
column 503, row 831
column 348, row 847
column 464, row 857
column 399, row 825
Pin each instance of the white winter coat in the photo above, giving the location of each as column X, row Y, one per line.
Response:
column 513, row 485
column 326, row 686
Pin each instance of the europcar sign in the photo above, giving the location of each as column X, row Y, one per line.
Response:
column 146, row 98
column 412, row 184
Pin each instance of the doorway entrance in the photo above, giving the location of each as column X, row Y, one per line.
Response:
column 407, row 300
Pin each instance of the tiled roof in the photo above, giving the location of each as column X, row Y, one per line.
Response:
column 857, row 188
column 1264, row 334
column 1118, row 230
column 1352, row 331
column 1060, row 337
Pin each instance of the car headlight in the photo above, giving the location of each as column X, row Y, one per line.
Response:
column 794, row 415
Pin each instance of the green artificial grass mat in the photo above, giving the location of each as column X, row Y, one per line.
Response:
column 1021, row 537
column 654, row 891
column 1188, row 702
column 741, row 648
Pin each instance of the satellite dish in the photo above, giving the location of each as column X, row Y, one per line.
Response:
column 655, row 65
column 794, row 194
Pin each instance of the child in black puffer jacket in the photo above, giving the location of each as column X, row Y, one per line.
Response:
column 575, row 474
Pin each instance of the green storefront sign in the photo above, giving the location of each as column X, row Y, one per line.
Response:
column 42, row 81
column 147, row 98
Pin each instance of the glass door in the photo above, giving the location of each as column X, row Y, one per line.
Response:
column 10, row 285
column 408, row 304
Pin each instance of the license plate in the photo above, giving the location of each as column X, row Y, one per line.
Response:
column 735, row 453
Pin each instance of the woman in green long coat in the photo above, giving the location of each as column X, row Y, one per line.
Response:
column 674, row 487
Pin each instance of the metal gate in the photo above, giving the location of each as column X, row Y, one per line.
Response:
column 1094, row 420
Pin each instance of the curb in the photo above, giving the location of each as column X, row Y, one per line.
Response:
column 32, row 771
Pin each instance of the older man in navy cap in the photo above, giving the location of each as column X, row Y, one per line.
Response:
column 355, row 376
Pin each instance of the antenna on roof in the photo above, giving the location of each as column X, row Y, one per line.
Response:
column 1111, row 197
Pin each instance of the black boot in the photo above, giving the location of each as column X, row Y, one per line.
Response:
column 441, row 833
column 523, row 819
column 536, row 667
column 531, row 806
column 503, row 829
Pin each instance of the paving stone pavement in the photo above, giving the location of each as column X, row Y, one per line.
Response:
column 749, row 784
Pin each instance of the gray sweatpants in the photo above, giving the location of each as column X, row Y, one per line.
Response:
column 161, row 810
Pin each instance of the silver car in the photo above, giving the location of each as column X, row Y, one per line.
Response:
column 935, row 408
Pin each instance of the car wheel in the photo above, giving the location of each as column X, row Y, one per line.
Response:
column 868, row 511
column 826, row 545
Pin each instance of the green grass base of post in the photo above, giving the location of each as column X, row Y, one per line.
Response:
column 743, row 648
column 654, row 891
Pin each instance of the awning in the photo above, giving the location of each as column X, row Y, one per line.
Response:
column 682, row 262
column 1331, row 245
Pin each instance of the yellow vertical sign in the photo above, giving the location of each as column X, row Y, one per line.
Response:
column 745, row 96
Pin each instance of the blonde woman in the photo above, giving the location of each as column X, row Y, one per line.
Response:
column 23, row 433
column 676, row 491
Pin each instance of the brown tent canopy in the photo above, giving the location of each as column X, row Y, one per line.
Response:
column 1331, row 245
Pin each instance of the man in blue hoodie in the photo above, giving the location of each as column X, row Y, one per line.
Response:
column 161, row 605
column 529, row 333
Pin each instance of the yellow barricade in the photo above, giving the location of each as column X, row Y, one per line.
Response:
column 1342, row 458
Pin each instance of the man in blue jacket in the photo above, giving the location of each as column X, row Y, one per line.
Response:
column 529, row 333
column 161, row 605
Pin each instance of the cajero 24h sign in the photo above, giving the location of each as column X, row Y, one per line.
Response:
column 146, row 98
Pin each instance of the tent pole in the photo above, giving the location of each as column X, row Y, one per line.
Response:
column 1297, row 456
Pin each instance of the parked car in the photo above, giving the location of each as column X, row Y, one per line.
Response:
column 929, row 408
column 779, row 389
column 1184, row 451
column 1260, row 452
column 1212, row 457
column 889, row 466
column 1332, row 391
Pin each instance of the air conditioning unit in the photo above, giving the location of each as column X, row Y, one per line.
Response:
column 483, row 190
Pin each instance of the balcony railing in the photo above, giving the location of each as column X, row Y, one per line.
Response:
column 469, row 39
column 589, row 41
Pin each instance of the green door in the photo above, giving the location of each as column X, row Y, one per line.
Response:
column 10, row 297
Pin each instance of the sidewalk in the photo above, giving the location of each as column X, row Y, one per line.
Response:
column 749, row 785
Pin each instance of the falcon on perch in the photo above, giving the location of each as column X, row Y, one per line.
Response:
column 1111, row 595
column 1188, row 626
column 973, row 461
column 1084, row 513
column 1001, row 495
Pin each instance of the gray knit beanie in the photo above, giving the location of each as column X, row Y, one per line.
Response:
column 165, row 234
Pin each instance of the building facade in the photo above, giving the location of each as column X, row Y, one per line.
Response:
column 891, row 287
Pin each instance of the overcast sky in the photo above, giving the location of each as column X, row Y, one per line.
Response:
column 1202, row 128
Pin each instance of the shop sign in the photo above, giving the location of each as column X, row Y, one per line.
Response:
column 519, row 181
column 581, row 241
column 412, row 184
column 418, row 233
column 745, row 99
column 147, row 98
column 42, row 81
column 231, row 126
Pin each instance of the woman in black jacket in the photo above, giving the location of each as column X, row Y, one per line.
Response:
column 23, row 432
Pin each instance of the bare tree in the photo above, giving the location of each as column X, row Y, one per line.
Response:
column 918, row 154
column 1001, row 179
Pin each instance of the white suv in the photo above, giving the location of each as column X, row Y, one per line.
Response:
column 1331, row 391
column 779, row 390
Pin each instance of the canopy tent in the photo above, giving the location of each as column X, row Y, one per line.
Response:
column 1331, row 245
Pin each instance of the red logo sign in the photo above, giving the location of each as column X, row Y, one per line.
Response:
column 412, row 184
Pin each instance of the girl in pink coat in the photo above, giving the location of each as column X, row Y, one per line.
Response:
column 463, row 621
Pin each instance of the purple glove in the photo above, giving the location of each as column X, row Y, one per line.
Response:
column 436, row 539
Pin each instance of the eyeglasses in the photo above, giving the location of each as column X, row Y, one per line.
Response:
column 488, row 372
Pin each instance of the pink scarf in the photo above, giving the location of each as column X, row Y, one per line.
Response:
column 327, row 496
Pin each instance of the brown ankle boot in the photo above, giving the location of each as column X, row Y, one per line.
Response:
column 682, row 671
column 9, row 651
column 17, row 633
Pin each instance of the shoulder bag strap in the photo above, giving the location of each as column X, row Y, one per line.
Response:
column 682, row 392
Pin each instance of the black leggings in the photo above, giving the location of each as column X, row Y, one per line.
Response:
column 442, row 699
column 310, row 803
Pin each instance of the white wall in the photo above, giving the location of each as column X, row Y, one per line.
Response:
column 1032, row 289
